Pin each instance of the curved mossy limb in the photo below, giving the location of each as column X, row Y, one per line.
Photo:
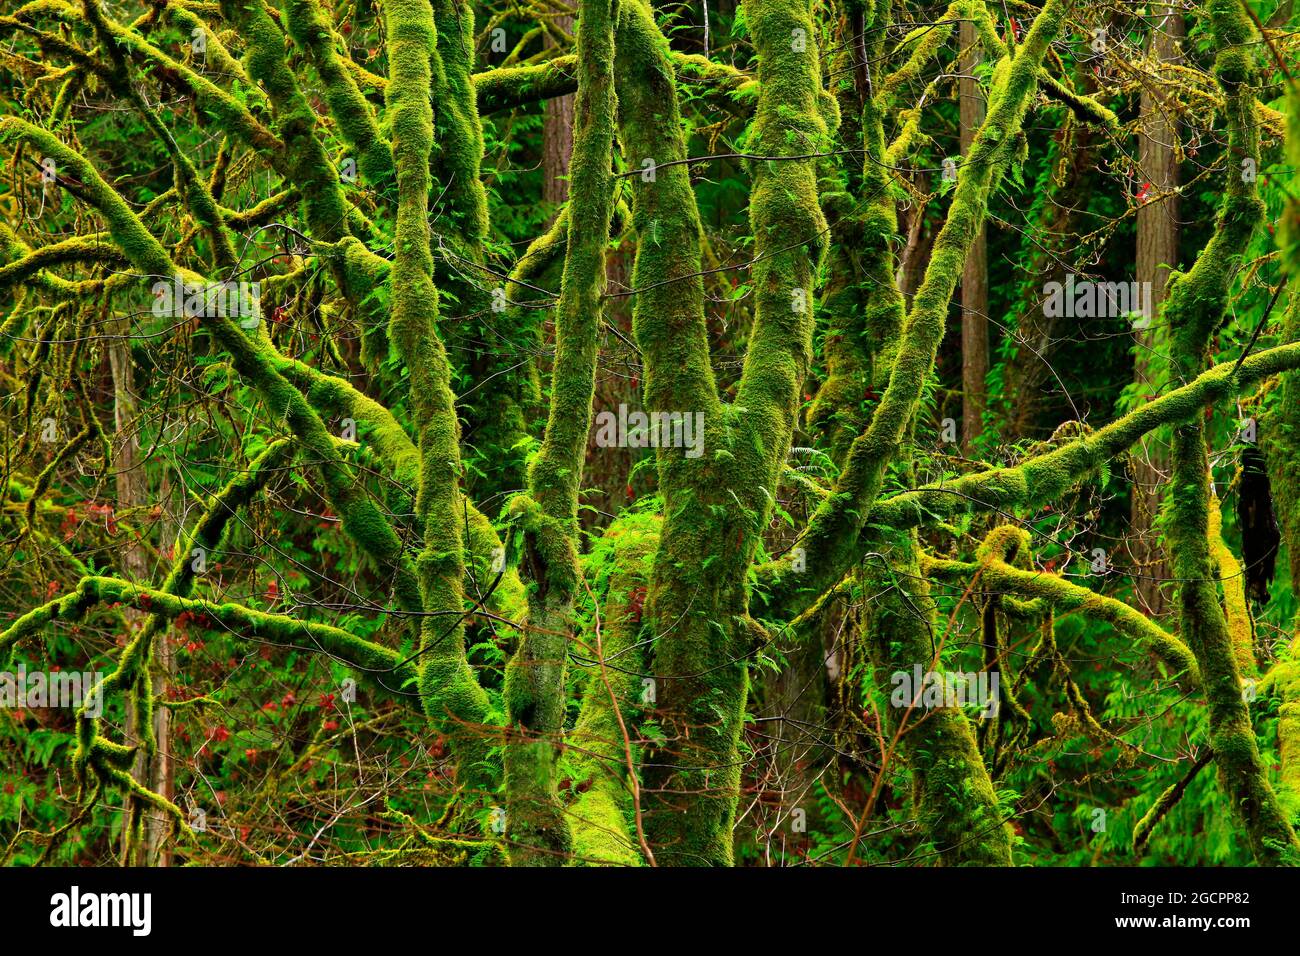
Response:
column 233, row 115
column 510, row 87
column 922, row 44
column 998, row 575
column 372, row 662
column 380, row 665
column 206, row 537
column 96, row 247
column 1167, row 800
column 217, row 56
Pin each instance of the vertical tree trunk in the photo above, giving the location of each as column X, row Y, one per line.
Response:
column 1157, row 254
column 162, row 769
column 916, row 253
column 132, row 492
column 557, row 139
column 974, row 280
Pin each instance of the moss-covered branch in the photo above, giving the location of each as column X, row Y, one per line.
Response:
column 310, row 28
column 1196, row 304
column 998, row 575
column 372, row 661
column 548, row 516
column 449, row 689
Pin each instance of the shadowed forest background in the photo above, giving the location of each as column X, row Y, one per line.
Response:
column 614, row 432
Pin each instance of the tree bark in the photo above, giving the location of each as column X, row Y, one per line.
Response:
column 974, row 280
column 132, row 492
column 1157, row 255
column 557, row 139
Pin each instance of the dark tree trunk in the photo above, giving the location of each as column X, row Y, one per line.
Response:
column 1157, row 254
column 974, row 280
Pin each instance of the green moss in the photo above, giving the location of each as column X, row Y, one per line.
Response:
column 1280, row 426
column 307, row 164
column 861, row 310
column 716, row 504
column 362, row 520
column 228, row 111
column 596, row 763
column 922, row 44
column 310, row 28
